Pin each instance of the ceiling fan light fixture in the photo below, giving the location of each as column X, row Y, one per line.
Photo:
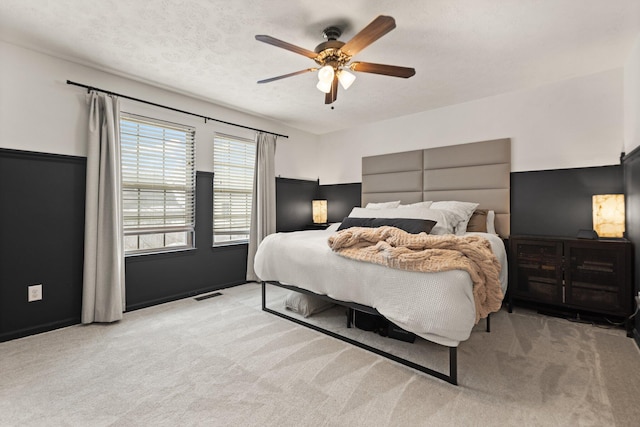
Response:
column 333, row 57
column 324, row 86
column 346, row 78
column 325, row 74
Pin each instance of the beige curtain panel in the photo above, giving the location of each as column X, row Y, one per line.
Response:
column 103, row 295
column 263, row 209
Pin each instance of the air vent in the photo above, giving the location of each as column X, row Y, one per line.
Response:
column 201, row 297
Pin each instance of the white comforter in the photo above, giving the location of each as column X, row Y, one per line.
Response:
column 436, row 306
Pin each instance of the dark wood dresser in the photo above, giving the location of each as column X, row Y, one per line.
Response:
column 582, row 276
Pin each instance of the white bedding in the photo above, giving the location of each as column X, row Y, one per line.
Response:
column 436, row 306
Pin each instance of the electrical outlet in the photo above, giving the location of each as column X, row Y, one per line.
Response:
column 34, row 293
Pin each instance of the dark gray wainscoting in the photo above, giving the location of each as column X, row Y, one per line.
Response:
column 293, row 203
column 631, row 164
column 550, row 202
column 294, row 196
column 341, row 198
column 157, row 278
column 42, row 241
column 42, row 232
column 558, row 202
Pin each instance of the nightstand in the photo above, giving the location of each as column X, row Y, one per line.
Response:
column 316, row 226
column 580, row 275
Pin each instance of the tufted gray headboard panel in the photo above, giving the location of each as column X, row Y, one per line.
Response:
column 477, row 172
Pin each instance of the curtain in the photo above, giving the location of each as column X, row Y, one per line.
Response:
column 103, row 296
column 263, row 208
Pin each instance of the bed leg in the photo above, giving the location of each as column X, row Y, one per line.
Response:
column 264, row 295
column 489, row 322
column 349, row 316
column 453, row 365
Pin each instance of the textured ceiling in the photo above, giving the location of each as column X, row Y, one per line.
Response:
column 461, row 49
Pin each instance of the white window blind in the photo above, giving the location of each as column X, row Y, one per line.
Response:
column 233, row 165
column 158, row 184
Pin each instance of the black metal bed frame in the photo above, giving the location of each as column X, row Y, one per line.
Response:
column 452, row 378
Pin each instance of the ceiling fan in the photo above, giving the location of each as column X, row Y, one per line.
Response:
column 333, row 57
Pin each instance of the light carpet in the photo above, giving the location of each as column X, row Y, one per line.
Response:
column 224, row 362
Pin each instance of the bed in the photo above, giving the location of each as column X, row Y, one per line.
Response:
column 437, row 306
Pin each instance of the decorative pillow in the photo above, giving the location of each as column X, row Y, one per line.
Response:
column 304, row 304
column 383, row 205
column 333, row 227
column 478, row 221
column 444, row 219
column 410, row 225
column 424, row 205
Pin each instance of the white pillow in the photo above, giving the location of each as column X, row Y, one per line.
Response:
column 491, row 219
column 383, row 205
column 461, row 210
column 387, row 213
column 304, row 304
column 461, row 227
column 443, row 218
column 334, row 226
column 424, row 205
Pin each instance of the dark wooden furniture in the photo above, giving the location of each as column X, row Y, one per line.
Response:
column 322, row 226
column 591, row 276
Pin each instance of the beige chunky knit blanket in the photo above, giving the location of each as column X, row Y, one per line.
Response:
column 395, row 248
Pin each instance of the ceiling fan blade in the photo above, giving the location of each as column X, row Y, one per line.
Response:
column 284, row 76
column 372, row 32
column 288, row 46
column 387, row 70
column 329, row 98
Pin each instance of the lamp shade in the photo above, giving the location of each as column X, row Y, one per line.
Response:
column 345, row 78
column 326, row 73
column 608, row 215
column 319, row 211
column 324, row 86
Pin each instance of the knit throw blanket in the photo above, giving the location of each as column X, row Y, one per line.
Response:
column 395, row 248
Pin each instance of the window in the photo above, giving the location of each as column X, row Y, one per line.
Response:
column 158, row 184
column 233, row 164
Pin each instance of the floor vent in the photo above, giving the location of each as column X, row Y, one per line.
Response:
column 201, row 297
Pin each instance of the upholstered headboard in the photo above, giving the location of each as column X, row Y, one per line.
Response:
column 477, row 172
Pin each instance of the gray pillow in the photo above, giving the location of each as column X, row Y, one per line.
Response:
column 410, row 225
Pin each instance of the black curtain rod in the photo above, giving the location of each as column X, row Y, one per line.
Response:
column 69, row 82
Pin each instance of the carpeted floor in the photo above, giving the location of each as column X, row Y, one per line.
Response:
column 223, row 361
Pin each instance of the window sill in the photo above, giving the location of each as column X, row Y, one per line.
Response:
column 160, row 252
column 229, row 244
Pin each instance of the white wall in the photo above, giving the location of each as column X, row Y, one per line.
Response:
column 40, row 112
column 573, row 123
column 632, row 98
